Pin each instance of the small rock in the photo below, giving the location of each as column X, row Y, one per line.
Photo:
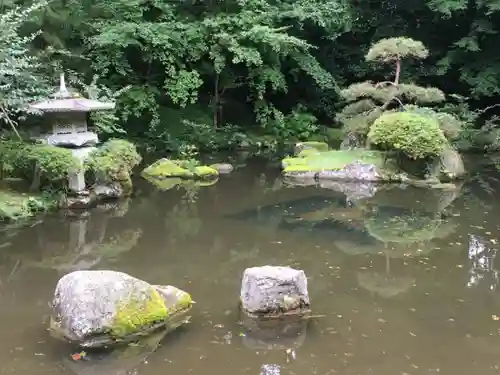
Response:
column 271, row 290
column 108, row 191
column 222, row 168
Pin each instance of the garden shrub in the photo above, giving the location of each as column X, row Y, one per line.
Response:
column 414, row 135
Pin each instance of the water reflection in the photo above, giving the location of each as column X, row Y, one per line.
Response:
column 123, row 360
column 75, row 242
column 482, row 269
column 405, row 278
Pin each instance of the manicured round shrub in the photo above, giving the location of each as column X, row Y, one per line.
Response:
column 414, row 135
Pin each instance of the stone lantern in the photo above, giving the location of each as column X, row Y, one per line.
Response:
column 66, row 114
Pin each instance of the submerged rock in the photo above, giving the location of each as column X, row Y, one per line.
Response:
column 167, row 168
column 101, row 308
column 272, row 290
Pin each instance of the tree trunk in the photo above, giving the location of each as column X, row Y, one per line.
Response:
column 398, row 72
column 35, row 183
column 215, row 104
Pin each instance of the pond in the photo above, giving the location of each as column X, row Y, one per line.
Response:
column 404, row 282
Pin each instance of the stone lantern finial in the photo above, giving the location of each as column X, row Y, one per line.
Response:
column 63, row 90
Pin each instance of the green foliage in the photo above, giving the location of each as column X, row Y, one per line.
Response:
column 260, row 56
column 298, row 124
column 391, row 49
column 114, row 161
column 450, row 125
column 384, row 93
column 15, row 206
column 414, row 135
column 54, row 164
column 22, row 77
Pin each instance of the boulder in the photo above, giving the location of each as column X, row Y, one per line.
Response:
column 448, row 167
column 169, row 168
column 355, row 171
column 101, row 308
column 272, row 290
column 344, row 165
column 113, row 190
column 222, row 168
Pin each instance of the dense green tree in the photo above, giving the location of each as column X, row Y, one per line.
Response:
column 270, row 66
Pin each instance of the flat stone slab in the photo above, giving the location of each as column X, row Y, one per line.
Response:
column 273, row 289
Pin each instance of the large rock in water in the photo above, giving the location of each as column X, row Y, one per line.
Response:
column 101, row 308
column 449, row 166
column 273, row 290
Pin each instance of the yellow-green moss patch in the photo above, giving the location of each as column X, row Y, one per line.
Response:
column 204, row 172
column 165, row 168
column 300, row 168
column 335, row 160
column 135, row 316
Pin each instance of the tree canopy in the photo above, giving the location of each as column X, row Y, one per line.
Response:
column 198, row 68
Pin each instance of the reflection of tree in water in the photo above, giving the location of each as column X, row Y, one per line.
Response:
column 482, row 269
column 402, row 235
column 183, row 220
column 86, row 242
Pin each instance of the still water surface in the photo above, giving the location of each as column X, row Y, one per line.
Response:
column 425, row 306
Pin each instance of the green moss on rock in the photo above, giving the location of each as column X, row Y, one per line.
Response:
column 139, row 316
column 114, row 162
column 204, row 172
column 336, row 159
column 166, row 168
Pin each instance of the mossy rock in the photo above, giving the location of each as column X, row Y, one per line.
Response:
column 166, row 168
column 97, row 309
column 205, row 173
column 337, row 161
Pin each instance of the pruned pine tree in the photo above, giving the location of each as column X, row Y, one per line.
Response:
column 366, row 101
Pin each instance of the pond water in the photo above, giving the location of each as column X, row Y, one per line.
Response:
column 404, row 282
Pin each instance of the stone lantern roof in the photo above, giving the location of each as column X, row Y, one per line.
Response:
column 65, row 101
